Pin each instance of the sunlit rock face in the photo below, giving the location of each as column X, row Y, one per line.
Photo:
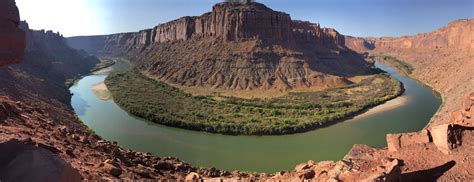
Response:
column 12, row 39
column 229, row 22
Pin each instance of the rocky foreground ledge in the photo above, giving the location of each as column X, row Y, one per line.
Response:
column 27, row 132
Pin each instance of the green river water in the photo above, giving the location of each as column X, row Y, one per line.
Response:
column 255, row 153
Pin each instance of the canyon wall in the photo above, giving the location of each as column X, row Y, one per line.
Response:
column 443, row 58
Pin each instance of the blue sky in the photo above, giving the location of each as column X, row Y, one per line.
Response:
column 351, row 17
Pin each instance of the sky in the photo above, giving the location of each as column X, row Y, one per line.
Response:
column 363, row 18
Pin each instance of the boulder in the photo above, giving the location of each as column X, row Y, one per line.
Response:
column 83, row 139
column 397, row 141
column 193, row 177
column 360, row 152
column 390, row 172
column 393, row 142
column 306, row 174
column 25, row 162
column 393, row 171
column 70, row 152
column 457, row 116
column 8, row 109
column 471, row 96
column 210, row 172
column 164, row 165
column 181, row 166
column 143, row 172
column 447, row 137
column 111, row 167
column 304, row 166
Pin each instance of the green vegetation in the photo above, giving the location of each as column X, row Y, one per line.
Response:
column 292, row 113
column 403, row 66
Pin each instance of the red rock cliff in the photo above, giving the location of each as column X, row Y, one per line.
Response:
column 12, row 39
column 230, row 22
column 227, row 22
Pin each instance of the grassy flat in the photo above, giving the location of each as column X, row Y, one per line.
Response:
column 291, row 113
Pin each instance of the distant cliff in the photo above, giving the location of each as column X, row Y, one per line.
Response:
column 456, row 35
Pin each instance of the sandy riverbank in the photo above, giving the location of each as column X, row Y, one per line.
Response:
column 391, row 104
column 101, row 91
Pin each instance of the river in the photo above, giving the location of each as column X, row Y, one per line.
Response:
column 407, row 113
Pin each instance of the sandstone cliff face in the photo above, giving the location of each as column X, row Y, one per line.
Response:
column 12, row 39
column 443, row 58
column 311, row 33
column 238, row 47
column 229, row 22
column 456, row 35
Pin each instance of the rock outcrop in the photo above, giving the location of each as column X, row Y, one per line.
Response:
column 12, row 39
column 237, row 46
column 22, row 161
column 397, row 141
column 465, row 115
